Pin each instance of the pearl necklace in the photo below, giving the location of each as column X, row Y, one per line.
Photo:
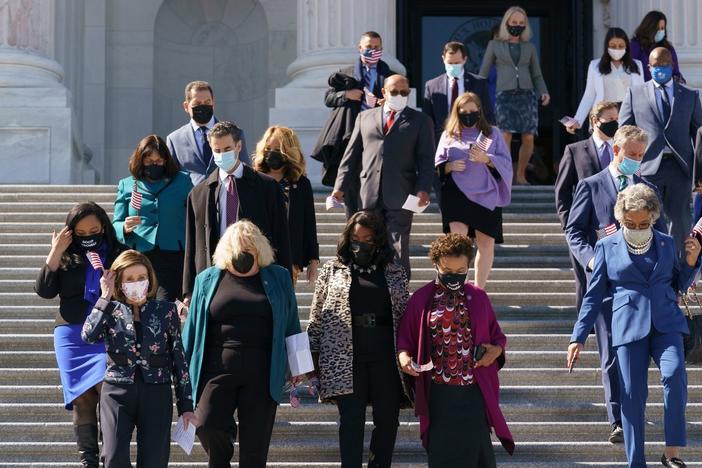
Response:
column 361, row 269
column 639, row 249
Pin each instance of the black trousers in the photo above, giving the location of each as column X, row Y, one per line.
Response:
column 169, row 271
column 149, row 408
column 242, row 385
column 376, row 382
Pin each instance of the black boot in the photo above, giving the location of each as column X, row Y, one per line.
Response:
column 87, row 440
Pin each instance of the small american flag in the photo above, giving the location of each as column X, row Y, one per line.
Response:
column 372, row 56
column 94, row 259
column 697, row 230
column 371, row 100
column 136, row 198
column 483, row 142
column 607, row 231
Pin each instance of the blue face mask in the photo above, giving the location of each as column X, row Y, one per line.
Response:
column 662, row 75
column 454, row 69
column 660, row 35
column 628, row 167
column 225, row 161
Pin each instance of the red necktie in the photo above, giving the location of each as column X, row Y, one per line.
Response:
column 389, row 122
column 232, row 201
column 454, row 92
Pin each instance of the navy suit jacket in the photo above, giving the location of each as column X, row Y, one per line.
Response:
column 436, row 99
column 334, row 98
column 639, row 108
column 183, row 147
column 592, row 210
column 580, row 160
column 637, row 301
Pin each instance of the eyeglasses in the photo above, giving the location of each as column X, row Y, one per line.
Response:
column 403, row 93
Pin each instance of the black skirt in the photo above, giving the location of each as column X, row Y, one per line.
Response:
column 455, row 206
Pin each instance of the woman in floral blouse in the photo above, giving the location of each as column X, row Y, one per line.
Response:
column 145, row 354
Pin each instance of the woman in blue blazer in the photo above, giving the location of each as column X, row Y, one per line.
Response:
column 149, row 212
column 241, row 311
column 638, row 267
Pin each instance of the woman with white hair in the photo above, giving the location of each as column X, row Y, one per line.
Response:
column 241, row 310
column 638, row 268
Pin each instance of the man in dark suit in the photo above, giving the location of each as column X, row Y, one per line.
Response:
column 591, row 217
column 188, row 144
column 370, row 73
column 581, row 160
column 671, row 114
column 233, row 192
column 392, row 151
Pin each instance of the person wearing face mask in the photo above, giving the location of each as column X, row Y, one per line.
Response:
column 68, row 273
column 358, row 301
column 456, row 388
column 475, row 170
column 242, row 309
column 156, row 225
column 520, row 84
column 671, row 114
column 391, row 150
column 581, row 160
column 609, row 77
column 638, row 268
column 232, row 193
column 189, row 144
column 590, row 218
column 652, row 33
column 145, row 355
column 279, row 155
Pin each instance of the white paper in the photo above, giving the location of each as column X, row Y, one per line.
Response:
column 184, row 437
column 334, row 203
column 412, row 204
column 299, row 355
column 424, row 367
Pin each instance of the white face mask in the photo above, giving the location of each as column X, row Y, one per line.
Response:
column 616, row 54
column 396, row 103
column 637, row 236
column 136, row 290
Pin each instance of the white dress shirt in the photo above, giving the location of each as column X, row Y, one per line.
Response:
column 223, row 183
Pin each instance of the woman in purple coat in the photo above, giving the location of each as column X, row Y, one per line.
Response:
column 450, row 342
column 652, row 33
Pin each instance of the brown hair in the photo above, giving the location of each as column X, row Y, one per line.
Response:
column 646, row 31
column 127, row 259
column 450, row 245
column 371, row 35
column 150, row 144
column 289, row 146
column 599, row 108
column 224, row 128
column 455, row 46
column 453, row 123
column 197, row 86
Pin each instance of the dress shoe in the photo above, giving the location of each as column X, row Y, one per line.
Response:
column 674, row 462
column 617, row 434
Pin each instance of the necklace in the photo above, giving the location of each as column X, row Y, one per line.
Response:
column 639, row 249
column 361, row 269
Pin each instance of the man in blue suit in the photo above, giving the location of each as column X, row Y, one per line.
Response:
column 591, row 218
column 671, row 114
column 188, row 144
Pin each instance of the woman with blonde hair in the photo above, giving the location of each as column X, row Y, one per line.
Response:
column 241, row 310
column 520, row 84
column 475, row 170
column 278, row 154
column 145, row 354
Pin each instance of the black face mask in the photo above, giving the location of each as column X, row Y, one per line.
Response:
column 469, row 119
column 609, row 128
column 87, row 242
column 452, row 281
column 515, row 31
column 154, row 171
column 202, row 113
column 274, row 159
column 243, row 262
column 363, row 253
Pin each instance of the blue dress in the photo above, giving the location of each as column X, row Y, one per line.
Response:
column 81, row 365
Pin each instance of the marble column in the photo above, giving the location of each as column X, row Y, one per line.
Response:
column 36, row 126
column 327, row 39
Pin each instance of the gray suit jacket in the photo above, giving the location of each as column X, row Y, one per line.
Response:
column 393, row 165
column 183, row 147
column 639, row 108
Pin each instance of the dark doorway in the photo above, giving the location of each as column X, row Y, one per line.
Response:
column 562, row 35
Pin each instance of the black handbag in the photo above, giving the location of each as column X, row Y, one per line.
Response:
column 693, row 342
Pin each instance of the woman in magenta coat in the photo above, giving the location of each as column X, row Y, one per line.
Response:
column 450, row 342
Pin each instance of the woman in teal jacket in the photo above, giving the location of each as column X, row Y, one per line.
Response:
column 241, row 311
column 150, row 211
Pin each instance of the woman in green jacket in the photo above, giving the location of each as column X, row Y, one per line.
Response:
column 150, row 211
column 241, row 311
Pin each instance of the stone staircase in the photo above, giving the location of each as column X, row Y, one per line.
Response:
column 558, row 420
